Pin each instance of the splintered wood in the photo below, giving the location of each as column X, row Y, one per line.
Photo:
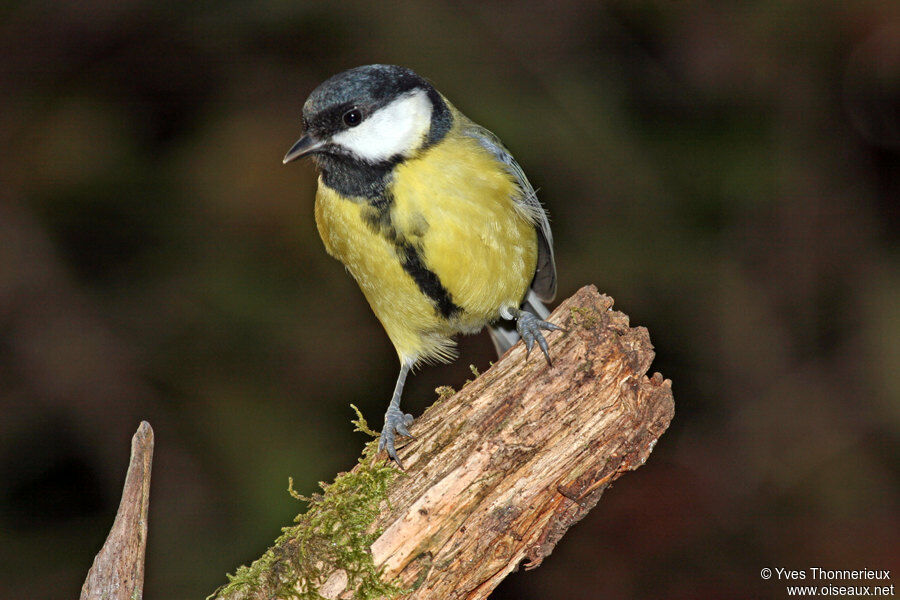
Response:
column 499, row 471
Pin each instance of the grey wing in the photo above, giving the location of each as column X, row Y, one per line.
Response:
column 544, row 283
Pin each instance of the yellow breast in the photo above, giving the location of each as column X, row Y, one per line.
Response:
column 453, row 206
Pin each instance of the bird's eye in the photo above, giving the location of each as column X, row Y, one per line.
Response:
column 352, row 117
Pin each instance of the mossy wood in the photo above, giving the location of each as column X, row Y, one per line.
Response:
column 495, row 476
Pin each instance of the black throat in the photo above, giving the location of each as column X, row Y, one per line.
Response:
column 354, row 178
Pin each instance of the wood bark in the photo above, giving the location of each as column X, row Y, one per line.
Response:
column 118, row 569
column 497, row 472
column 500, row 471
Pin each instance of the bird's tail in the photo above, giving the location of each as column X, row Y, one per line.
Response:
column 504, row 334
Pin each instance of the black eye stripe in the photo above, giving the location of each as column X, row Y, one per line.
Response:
column 330, row 121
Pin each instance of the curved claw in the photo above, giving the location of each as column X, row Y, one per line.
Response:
column 529, row 328
column 395, row 422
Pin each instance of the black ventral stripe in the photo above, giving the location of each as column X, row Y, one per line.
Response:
column 426, row 280
column 377, row 216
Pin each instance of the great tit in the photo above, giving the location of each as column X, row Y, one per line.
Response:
column 431, row 215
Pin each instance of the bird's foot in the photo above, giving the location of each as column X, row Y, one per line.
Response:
column 529, row 328
column 395, row 422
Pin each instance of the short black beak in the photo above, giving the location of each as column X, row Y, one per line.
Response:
column 304, row 146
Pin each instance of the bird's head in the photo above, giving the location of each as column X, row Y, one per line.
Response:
column 374, row 114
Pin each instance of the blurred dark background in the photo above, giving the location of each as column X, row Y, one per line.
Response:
column 729, row 172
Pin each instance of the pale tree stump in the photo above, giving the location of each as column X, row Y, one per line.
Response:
column 118, row 569
column 495, row 476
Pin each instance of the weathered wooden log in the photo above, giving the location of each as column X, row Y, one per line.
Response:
column 496, row 474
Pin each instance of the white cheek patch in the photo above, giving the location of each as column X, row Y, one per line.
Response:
column 397, row 128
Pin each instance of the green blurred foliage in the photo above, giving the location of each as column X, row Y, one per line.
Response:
column 729, row 172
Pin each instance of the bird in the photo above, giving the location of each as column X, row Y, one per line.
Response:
column 431, row 215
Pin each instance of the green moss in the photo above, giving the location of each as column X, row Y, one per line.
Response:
column 361, row 425
column 444, row 392
column 586, row 317
column 332, row 534
column 475, row 372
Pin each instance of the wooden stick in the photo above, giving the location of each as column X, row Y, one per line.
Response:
column 118, row 569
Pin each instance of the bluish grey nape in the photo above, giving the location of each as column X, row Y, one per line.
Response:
column 372, row 86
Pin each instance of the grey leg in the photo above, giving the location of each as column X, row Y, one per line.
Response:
column 395, row 421
column 529, row 328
